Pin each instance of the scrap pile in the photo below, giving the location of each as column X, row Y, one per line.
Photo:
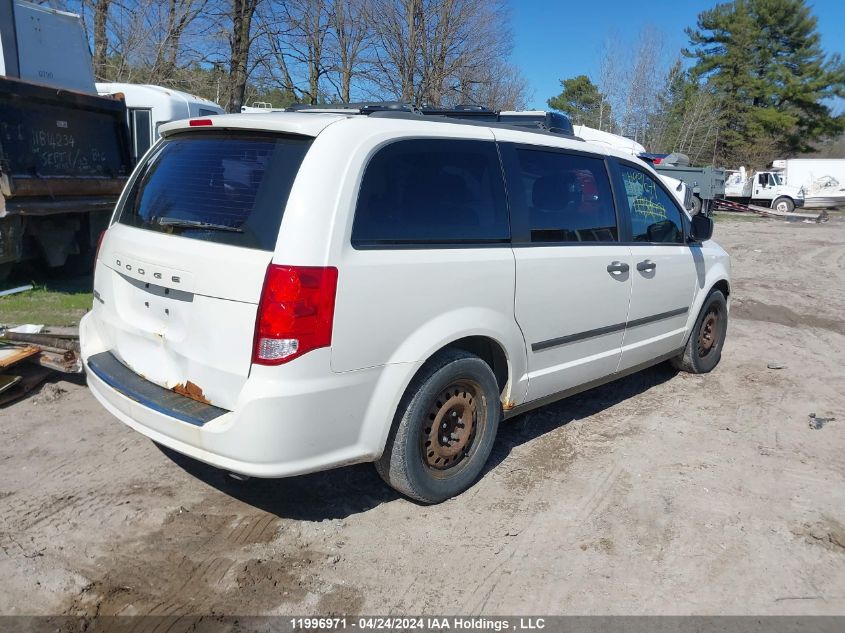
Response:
column 28, row 357
column 721, row 204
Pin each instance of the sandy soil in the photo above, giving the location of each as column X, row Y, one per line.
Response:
column 662, row 493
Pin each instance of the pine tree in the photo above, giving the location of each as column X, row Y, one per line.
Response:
column 765, row 62
column 583, row 102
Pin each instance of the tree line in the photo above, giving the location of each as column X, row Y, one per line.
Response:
column 753, row 85
column 237, row 52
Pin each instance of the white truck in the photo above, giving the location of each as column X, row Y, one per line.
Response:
column 823, row 179
column 763, row 188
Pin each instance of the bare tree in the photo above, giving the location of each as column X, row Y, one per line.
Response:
column 438, row 51
column 501, row 87
column 611, row 80
column 241, row 13
column 645, row 78
column 101, row 16
column 397, row 27
column 308, row 24
column 170, row 29
column 352, row 34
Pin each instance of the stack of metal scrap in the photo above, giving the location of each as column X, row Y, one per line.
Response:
column 27, row 359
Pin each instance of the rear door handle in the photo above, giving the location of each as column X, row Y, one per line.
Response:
column 617, row 267
column 646, row 265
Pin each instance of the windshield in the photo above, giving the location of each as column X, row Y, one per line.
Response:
column 230, row 188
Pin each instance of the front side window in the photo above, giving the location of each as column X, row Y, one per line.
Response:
column 568, row 197
column 654, row 215
column 432, row 191
column 228, row 188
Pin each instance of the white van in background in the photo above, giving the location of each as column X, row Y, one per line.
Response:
column 149, row 107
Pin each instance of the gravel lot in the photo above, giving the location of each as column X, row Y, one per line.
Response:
column 662, row 493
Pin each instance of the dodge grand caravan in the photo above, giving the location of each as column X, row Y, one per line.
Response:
column 284, row 293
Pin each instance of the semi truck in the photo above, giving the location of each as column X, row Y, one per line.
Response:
column 64, row 150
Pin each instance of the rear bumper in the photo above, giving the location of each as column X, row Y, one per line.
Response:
column 289, row 420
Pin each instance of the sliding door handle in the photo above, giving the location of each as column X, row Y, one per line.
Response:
column 646, row 265
column 617, row 267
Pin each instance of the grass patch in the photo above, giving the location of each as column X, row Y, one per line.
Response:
column 50, row 302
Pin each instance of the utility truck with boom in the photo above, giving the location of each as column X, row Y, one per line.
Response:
column 763, row 188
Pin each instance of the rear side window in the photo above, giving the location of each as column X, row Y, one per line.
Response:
column 568, row 197
column 426, row 191
column 226, row 188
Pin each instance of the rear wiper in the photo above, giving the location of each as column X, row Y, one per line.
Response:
column 196, row 224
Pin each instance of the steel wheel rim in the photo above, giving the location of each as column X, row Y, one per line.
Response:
column 782, row 206
column 708, row 332
column 451, row 426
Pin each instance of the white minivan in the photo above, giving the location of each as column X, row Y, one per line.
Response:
column 289, row 292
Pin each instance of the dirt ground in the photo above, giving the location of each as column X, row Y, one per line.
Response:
column 662, row 493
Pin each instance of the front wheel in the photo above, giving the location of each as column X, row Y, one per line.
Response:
column 696, row 205
column 704, row 346
column 784, row 204
column 444, row 428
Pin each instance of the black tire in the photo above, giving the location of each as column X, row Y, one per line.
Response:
column 696, row 205
column 460, row 390
column 787, row 203
column 703, row 350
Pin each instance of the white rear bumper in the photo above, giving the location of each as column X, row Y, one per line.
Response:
column 289, row 420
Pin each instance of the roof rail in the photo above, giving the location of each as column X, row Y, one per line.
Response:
column 542, row 122
column 534, row 129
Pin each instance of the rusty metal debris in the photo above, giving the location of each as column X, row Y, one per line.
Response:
column 192, row 391
column 26, row 360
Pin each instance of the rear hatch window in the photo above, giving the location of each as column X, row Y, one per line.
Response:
column 229, row 188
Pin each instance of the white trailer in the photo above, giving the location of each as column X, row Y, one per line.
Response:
column 149, row 107
column 823, row 179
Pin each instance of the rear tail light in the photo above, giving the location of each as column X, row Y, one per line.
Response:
column 295, row 313
column 199, row 122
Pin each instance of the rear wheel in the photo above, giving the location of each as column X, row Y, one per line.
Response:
column 784, row 204
column 704, row 347
column 444, row 428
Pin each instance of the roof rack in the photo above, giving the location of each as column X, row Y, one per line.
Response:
column 470, row 114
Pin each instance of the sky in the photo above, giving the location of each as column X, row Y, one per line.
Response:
column 555, row 40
